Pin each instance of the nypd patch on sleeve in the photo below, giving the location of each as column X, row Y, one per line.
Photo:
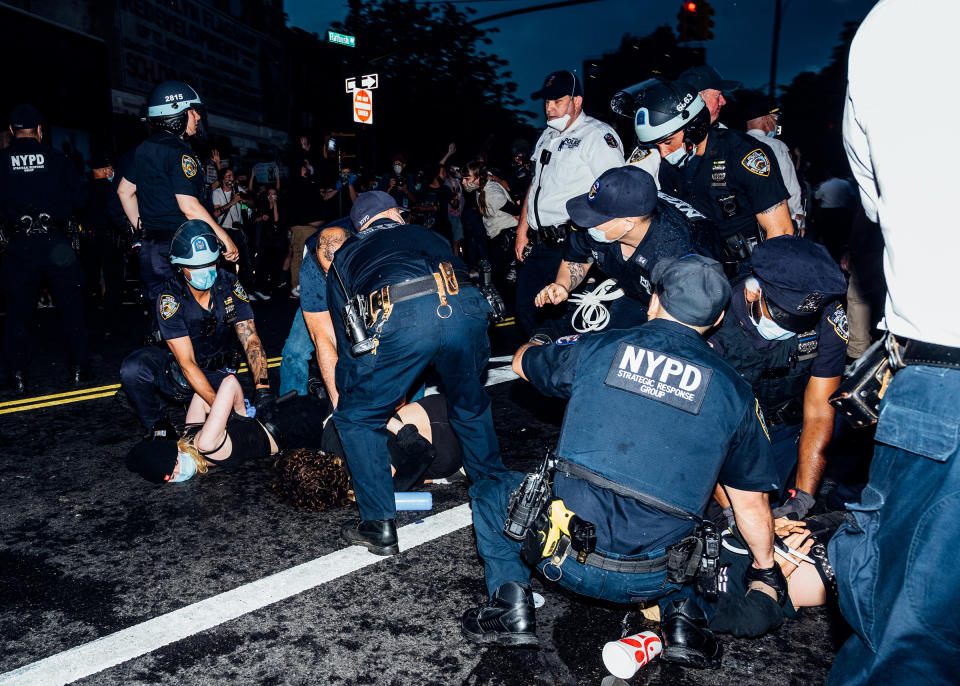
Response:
column 168, row 306
column 663, row 378
column 639, row 155
column 756, row 161
column 567, row 340
column 240, row 293
column 838, row 319
column 611, row 140
column 189, row 166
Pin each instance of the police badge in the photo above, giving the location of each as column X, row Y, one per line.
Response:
column 757, row 162
column 189, row 166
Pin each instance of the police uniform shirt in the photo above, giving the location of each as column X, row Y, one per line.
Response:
column 211, row 331
column 38, row 179
column 653, row 408
column 648, row 159
column 733, row 181
column 787, row 172
column 313, row 282
column 164, row 166
column 919, row 187
column 578, row 156
column 667, row 236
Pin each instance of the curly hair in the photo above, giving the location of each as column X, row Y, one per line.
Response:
column 312, row 480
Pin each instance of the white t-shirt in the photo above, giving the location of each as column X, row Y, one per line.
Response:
column 577, row 157
column 908, row 180
column 231, row 217
column 787, row 170
column 496, row 220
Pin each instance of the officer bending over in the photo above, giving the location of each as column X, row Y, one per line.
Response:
column 641, row 490
column 630, row 230
column 163, row 187
column 422, row 309
column 725, row 174
column 198, row 310
column 786, row 334
column 39, row 189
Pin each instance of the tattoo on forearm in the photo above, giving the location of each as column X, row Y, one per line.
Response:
column 256, row 358
column 577, row 272
column 771, row 210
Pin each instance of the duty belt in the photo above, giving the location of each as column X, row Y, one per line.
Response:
column 552, row 235
column 908, row 351
column 635, row 566
column 443, row 283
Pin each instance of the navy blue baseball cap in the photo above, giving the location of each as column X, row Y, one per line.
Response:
column 557, row 85
column 626, row 191
column 24, row 116
column 369, row 205
column 798, row 277
column 692, row 288
column 705, row 77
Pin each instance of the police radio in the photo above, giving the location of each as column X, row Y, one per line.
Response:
column 528, row 501
column 353, row 321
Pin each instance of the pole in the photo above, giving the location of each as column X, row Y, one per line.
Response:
column 778, row 11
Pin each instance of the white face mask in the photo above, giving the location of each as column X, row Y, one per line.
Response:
column 678, row 158
column 470, row 185
column 601, row 236
column 397, row 169
column 560, row 123
column 766, row 327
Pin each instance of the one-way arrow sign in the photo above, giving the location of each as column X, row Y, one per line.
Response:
column 365, row 82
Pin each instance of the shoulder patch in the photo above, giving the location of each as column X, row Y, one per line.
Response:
column 838, row 319
column 756, row 161
column 189, row 166
column 168, row 306
column 611, row 140
column 240, row 293
column 639, row 155
column 663, row 378
column 567, row 340
column 759, row 413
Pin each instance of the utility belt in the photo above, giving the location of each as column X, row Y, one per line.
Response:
column 550, row 236
column 555, row 532
column 374, row 309
column 788, row 413
column 738, row 246
column 866, row 380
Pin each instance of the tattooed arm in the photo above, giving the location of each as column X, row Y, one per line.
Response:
column 256, row 358
column 775, row 221
column 569, row 276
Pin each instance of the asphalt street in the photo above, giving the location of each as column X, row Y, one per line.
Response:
column 108, row 579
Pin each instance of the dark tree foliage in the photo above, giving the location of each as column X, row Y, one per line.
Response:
column 437, row 83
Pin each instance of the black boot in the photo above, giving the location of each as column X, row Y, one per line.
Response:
column 508, row 619
column 379, row 535
column 686, row 638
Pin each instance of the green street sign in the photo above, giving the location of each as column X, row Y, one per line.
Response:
column 341, row 39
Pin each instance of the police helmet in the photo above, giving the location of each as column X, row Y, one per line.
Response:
column 663, row 107
column 194, row 245
column 168, row 105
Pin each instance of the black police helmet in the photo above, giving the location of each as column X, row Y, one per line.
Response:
column 168, row 105
column 662, row 108
column 194, row 245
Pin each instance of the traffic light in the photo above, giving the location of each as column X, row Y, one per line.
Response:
column 695, row 21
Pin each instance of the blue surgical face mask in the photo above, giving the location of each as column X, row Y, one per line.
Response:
column 678, row 158
column 601, row 236
column 203, row 278
column 187, row 468
column 766, row 327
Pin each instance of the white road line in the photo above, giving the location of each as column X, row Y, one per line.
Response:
column 127, row 644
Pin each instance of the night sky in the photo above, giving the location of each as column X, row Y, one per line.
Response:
column 538, row 43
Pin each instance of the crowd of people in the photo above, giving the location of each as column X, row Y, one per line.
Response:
column 687, row 299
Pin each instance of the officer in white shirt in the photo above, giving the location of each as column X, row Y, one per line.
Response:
column 571, row 153
column 762, row 115
column 894, row 566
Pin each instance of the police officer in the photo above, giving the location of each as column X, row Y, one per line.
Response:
column 100, row 240
column 786, row 334
column 422, row 310
column 39, row 190
column 631, row 229
column 570, row 154
column 162, row 188
column 641, row 488
column 198, row 312
column 726, row 175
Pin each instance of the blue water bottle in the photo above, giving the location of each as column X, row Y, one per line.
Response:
column 417, row 500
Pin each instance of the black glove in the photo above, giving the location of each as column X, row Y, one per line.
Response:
column 265, row 400
column 772, row 577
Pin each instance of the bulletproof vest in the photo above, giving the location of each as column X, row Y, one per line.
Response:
column 629, row 386
column 214, row 341
column 703, row 231
column 777, row 375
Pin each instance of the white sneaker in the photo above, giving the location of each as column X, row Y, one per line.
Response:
column 295, row 292
column 260, row 295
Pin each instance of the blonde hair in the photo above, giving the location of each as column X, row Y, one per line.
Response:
column 185, row 445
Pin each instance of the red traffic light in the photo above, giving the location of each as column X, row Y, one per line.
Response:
column 690, row 6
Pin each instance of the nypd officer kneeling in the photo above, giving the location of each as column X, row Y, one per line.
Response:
column 421, row 309
column 197, row 311
column 636, row 490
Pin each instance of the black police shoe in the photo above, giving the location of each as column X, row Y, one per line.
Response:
column 508, row 619
column 686, row 638
column 379, row 535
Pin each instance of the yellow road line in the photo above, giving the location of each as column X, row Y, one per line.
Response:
column 62, row 401
column 83, row 391
column 509, row 321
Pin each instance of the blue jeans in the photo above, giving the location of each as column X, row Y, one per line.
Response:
column 502, row 562
column 895, row 561
column 295, row 365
